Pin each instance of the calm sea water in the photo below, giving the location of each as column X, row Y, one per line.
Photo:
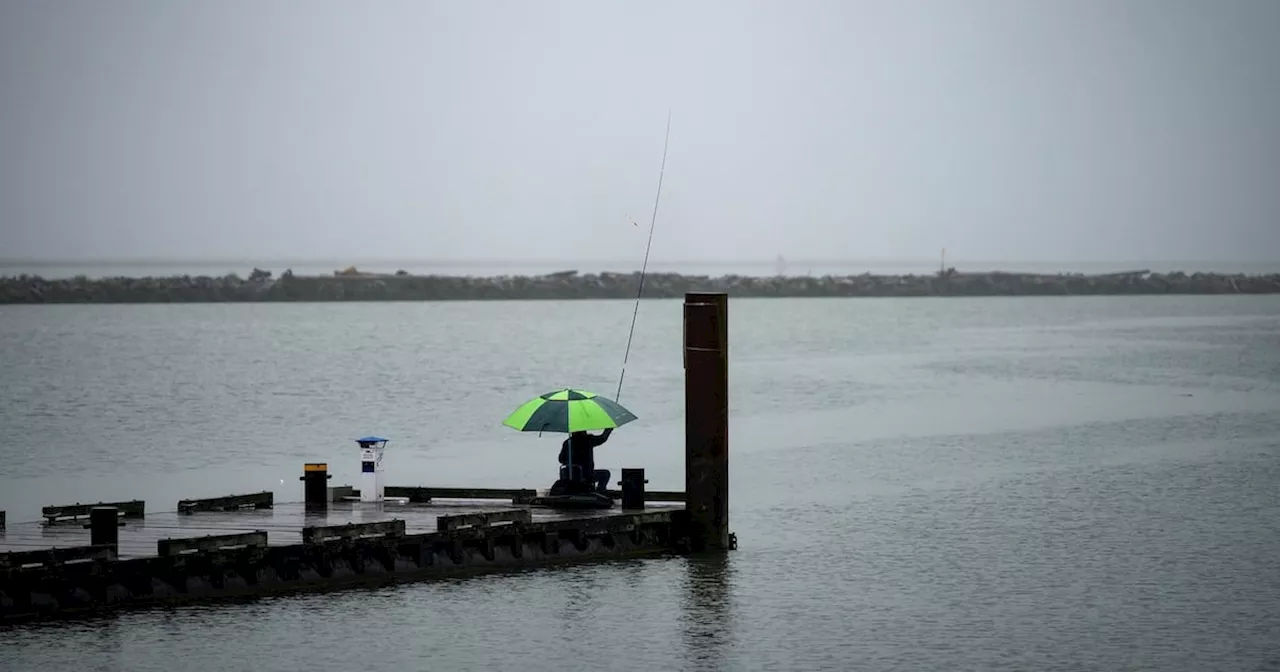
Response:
column 954, row 484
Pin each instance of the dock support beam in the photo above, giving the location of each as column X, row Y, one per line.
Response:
column 706, row 403
column 104, row 526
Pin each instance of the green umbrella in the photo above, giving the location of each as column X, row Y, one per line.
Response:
column 568, row 410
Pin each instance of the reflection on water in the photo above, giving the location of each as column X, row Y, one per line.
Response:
column 706, row 611
column 106, row 644
column 579, row 608
column 89, row 642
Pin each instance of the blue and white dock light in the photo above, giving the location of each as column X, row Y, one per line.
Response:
column 371, row 485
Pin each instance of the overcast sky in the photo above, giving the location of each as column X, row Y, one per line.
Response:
column 1014, row 130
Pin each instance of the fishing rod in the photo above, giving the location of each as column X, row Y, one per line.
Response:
column 644, row 267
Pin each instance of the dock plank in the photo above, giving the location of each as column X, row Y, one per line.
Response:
column 284, row 523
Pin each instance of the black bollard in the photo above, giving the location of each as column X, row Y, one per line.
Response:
column 315, row 486
column 632, row 483
column 104, row 525
column 1, row 520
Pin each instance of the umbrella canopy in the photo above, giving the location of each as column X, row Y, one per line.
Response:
column 568, row 410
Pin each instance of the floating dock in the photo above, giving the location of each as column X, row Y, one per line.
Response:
column 174, row 557
column 92, row 557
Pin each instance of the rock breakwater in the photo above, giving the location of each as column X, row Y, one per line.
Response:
column 351, row 285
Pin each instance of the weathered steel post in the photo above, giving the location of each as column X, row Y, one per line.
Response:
column 706, row 403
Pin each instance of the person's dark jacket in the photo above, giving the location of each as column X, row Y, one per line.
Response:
column 583, row 445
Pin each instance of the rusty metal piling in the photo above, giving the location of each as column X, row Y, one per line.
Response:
column 706, row 391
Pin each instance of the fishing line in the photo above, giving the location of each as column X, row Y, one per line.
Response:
column 644, row 267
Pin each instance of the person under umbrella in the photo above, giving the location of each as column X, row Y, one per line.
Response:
column 574, row 412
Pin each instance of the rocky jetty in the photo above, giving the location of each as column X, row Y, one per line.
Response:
column 352, row 285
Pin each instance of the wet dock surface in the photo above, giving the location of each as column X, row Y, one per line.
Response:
column 283, row 523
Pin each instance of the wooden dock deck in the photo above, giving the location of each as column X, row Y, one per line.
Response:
column 283, row 523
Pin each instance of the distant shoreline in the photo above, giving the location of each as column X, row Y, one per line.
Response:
column 50, row 268
column 353, row 285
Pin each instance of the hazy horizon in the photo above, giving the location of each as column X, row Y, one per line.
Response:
column 712, row 261
column 1096, row 131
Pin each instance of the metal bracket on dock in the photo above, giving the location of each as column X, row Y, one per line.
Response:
column 257, row 500
column 668, row 496
column 425, row 495
column 486, row 519
column 59, row 514
column 322, row 533
column 51, row 557
column 212, row 542
column 517, row 496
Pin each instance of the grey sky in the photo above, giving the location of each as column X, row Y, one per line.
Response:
column 1015, row 129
